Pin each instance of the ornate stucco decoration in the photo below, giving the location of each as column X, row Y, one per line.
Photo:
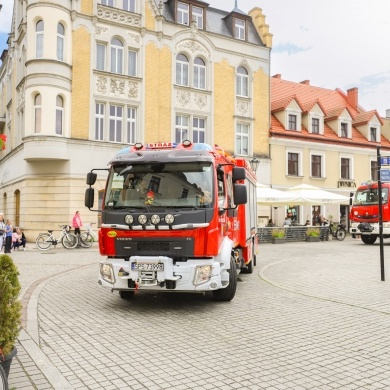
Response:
column 118, row 16
column 133, row 90
column 243, row 108
column 154, row 8
column 99, row 30
column 117, row 87
column 183, row 97
column 21, row 94
column 101, row 84
column 135, row 37
column 200, row 100
column 192, row 46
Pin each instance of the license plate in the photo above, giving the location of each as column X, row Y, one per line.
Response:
column 147, row 266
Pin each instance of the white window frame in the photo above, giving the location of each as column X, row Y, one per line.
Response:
column 116, row 52
column 351, row 166
column 109, row 3
column 60, row 43
column 242, row 82
column 322, row 155
column 37, row 114
column 183, row 13
column 182, row 126
column 376, row 133
column 101, row 51
column 132, row 67
column 182, row 70
column 300, row 162
column 198, row 128
column 239, row 29
column 131, row 125
column 197, row 16
column 100, row 109
column 59, row 113
column 242, row 138
column 298, row 116
column 199, row 74
column 39, row 38
column 128, row 5
column 115, row 129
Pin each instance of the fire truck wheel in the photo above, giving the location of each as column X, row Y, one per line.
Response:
column 227, row 294
column 126, row 294
column 368, row 239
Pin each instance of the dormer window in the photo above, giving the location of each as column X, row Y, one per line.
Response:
column 315, row 126
column 183, row 13
column 239, row 29
column 373, row 137
column 197, row 16
column 344, row 130
column 292, row 122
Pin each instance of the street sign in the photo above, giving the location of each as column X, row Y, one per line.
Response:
column 385, row 160
column 385, row 175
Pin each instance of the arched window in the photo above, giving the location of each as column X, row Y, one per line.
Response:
column 116, row 56
column 199, row 73
column 59, row 115
column 39, row 28
column 60, row 42
column 37, row 113
column 242, row 82
column 182, row 70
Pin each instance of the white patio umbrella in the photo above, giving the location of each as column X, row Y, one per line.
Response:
column 307, row 194
column 272, row 197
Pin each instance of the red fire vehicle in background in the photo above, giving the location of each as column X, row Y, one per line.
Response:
column 364, row 212
column 176, row 218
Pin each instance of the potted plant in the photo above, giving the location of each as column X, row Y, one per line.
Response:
column 278, row 236
column 313, row 234
column 10, row 309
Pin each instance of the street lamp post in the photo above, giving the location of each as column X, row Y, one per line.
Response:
column 254, row 163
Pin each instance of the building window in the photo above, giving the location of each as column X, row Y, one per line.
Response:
column 129, row 5
column 116, row 56
column 100, row 56
column 131, row 125
column 242, row 82
column 199, row 73
column 315, row 126
column 344, row 130
column 59, row 115
column 132, row 63
column 316, row 166
column 182, row 128
column 197, row 16
column 39, row 28
column 183, row 13
column 198, row 130
column 345, row 168
column 37, row 113
column 60, row 42
column 99, row 122
column 292, row 122
column 373, row 134
column 182, row 65
column 374, row 171
column 116, row 123
column 242, row 139
column 110, row 3
column 292, row 164
column 239, row 29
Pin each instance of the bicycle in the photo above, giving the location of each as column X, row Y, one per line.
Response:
column 338, row 231
column 3, row 379
column 45, row 241
column 86, row 239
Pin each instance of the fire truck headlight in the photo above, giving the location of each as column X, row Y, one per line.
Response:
column 202, row 274
column 386, row 225
column 129, row 219
column 142, row 219
column 107, row 272
column 155, row 219
column 169, row 219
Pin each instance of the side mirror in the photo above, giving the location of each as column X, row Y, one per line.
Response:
column 238, row 174
column 89, row 197
column 350, row 198
column 91, row 178
column 240, row 194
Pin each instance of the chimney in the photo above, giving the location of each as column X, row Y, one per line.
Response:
column 352, row 97
column 277, row 76
column 306, row 82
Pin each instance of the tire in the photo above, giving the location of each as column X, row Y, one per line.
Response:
column 3, row 379
column 86, row 239
column 340, row 234
column 368, row 239
column 126, row 294
column 43, row 241
column 69, row 241
column 227, row 294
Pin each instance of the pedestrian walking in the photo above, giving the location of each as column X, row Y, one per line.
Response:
column 77, row 223
column 8, row 236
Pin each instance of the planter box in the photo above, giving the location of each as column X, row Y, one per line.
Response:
column 312, row 239
column 277, row 240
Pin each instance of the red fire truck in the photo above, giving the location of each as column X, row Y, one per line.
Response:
column 176, row 218
column 364, row 212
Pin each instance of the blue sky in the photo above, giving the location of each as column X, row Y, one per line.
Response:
column 332, row 43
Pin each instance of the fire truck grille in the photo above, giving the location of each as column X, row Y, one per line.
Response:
column 183, row 247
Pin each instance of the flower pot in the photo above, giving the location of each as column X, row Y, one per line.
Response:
column 6, row 363
column 312, row 239
column 278, row 240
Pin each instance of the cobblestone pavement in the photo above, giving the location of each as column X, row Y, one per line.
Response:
column 311, row 316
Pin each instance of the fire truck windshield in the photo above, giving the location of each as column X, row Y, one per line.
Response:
column 369, row 196
column 160, row 184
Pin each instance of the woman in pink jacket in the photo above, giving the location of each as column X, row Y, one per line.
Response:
column 77, row 222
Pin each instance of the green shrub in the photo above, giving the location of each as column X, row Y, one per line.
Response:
column 313, row 232
column 278, row 233
column 10, row 306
